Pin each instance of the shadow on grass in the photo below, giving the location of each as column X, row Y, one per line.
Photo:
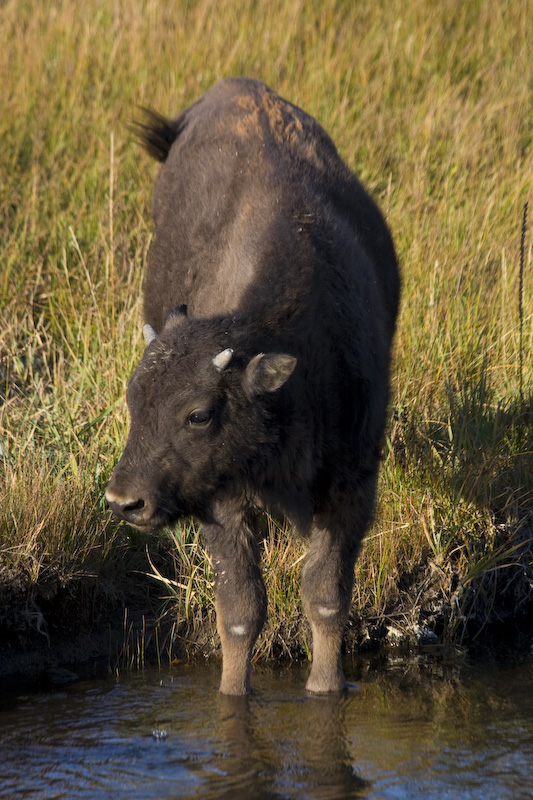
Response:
column 473, row 468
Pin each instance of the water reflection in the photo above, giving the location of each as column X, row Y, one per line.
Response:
column 303, row 748
column 409, row 732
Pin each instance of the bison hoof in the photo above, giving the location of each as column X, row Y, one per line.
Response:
column 321, row 685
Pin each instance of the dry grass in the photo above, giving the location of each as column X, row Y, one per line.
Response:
column 432, row 104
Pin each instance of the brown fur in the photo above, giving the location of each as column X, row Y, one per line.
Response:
column 280, row 255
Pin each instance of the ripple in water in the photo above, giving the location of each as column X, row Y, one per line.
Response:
column 410, row 732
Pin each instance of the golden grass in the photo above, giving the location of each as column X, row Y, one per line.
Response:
column 430, row 103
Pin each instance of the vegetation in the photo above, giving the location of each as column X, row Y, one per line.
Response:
column 432, row 105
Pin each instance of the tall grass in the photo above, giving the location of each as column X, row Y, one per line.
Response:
column 430, row 103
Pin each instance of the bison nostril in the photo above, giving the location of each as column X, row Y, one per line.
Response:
column 132, row 509
column 132, row 505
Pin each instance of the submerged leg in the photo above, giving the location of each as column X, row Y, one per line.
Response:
column 327, row 580
column 240, row 602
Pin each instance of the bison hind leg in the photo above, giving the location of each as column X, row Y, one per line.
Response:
column 327, row 579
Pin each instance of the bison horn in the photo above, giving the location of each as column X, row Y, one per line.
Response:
column 148, row 333
column 222, row 360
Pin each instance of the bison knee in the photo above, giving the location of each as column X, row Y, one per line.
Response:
column 241, row 614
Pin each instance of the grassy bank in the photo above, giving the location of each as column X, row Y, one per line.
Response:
column 432, row 105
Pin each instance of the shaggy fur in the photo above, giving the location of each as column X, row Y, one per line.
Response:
column 267, row 385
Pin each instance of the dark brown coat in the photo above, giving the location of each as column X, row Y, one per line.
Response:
column 270, row 301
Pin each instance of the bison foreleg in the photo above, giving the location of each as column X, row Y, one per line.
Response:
column 327, row 580
column 240, row 602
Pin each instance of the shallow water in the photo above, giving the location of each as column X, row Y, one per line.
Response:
column 405, row 730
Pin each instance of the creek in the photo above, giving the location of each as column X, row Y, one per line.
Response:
column 409, row 729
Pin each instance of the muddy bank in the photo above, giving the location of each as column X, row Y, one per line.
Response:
column 109, row 620
column 55, row 622
column 440, row 603
column 89, row 617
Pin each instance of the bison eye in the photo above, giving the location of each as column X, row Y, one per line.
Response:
column 199, row 418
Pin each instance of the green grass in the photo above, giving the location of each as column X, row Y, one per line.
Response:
column 432, row 105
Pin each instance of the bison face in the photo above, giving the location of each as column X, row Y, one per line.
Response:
column 199, row 416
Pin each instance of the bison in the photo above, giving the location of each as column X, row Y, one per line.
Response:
column 270, row 301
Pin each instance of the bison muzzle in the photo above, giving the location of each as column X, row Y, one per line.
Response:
column 270, row 302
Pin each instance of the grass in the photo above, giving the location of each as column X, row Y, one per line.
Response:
column 432, row 105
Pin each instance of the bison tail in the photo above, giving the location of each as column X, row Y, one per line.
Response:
column 155, row 133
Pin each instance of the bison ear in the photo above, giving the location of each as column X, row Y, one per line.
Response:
column 179, row 311
column 266, row 373
column 177, row 316
column 148, row 333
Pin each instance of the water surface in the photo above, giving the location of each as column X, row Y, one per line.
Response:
column 408, row 731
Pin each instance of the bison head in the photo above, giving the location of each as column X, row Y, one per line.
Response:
column 201, row 414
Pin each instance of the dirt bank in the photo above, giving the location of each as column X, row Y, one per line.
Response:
column 94, row 621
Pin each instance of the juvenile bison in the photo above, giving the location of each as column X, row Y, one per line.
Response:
column 270, row 302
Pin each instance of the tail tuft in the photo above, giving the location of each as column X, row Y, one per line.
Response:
column 155, row 133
